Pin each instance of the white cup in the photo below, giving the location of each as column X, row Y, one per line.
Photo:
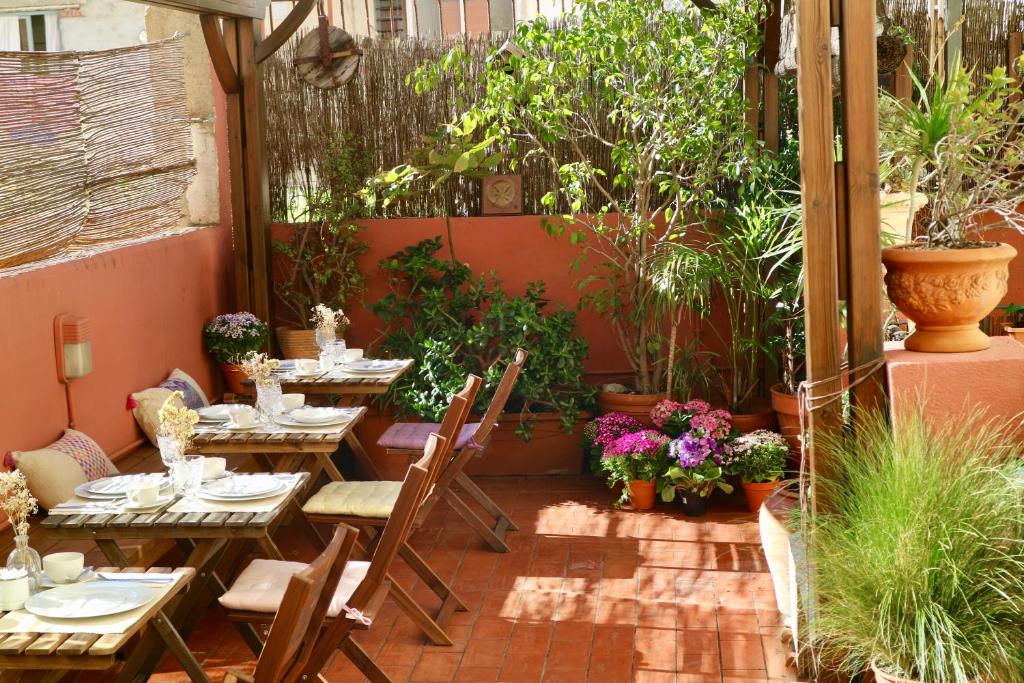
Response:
column 307, row 366
column 143, row 492
column 63, row 567
column 14, row 589
column 213, row 467
column 352, row 355
column 293, row 401
column 242, row 415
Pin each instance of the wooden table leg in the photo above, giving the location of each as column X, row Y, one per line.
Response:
column 324, row 461
column 362, row 457
column 172, row 639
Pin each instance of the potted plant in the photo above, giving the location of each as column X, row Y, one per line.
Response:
column 699, row 456
column 636, row 460
column 637, row 157
column 792, row 349
column 1014, row 321
column 601, row 431
column 760, row 461
column 918, row 552
column 318, row 264
column 964, row 145
column 231, row 336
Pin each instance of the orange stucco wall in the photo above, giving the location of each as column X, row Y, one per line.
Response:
column 146, row 304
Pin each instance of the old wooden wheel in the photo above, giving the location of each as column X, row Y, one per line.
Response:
column 327, row 57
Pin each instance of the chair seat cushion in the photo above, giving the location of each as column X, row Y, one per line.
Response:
column 261, row 586
column 412, row 436
column 374, row 499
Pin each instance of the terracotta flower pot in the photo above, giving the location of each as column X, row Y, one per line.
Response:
column 641, row 494
column 947, row 292
column 757, row 493
column 297, row 343
column 634, row 405
column 763, row 417
column 882, row 677
column 787, row 412
column 233, row 377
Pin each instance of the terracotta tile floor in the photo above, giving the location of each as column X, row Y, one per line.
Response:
column 588, row 593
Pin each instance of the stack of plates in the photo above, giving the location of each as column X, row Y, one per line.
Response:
column 88, row 600
column 243, row 487
column 116, row 487
column 317, row 417
column 218, row 414
column 368, row 366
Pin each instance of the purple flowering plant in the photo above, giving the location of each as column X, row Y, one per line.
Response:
column 230, row 336
column 637, row 455
column 701, row 453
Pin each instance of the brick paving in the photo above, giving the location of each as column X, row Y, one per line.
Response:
column 588, row 594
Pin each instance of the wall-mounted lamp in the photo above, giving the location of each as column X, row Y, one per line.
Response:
column 73, row 349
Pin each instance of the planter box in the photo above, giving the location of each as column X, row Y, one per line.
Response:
column 551, row 451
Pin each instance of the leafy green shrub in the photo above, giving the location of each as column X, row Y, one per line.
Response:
column 453, row 322
column 918, row 564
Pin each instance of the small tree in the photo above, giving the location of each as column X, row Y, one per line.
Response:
column 647, row 90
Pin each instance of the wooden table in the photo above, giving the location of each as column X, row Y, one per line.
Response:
column 51, row 656
column 207, row 538
column 351, row 389
column 282, row 450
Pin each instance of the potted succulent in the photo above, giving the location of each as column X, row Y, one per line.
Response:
column 638, row 158
column 699, row 457
column 229, row 337
column 760, row 461
column 963, row 145
column 918, row 568
column 636, row 460
column 318, row 263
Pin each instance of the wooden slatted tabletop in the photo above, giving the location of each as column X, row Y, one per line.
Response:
column 277, row 440
column 343, row 385
column 82, row 651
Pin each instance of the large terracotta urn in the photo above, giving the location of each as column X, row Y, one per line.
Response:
column 638, row 406
column 947, row 292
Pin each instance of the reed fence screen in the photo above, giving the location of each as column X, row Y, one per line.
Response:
column 96, row 148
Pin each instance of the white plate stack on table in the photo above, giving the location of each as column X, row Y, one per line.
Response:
column 126, row 492
column 371, row 368
column 306, row 417
column 240, row 493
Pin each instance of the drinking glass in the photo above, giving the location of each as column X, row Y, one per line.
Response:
column 336, row 352
column 269, row 401
column 324, row 337
column 171, row 449
column 187, row 475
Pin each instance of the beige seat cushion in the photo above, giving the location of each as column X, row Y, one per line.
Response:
column 261, row 586
column 146, row 404
column 54, row 472
column 375, row 499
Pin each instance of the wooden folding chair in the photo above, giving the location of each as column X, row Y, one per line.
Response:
column 405, row 438
column 360, row 587
column 368, row 506
column 295, row 627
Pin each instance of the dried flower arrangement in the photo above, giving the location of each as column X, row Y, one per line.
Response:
column 16, row 501
column 260, row 367
column 327, row 319
column 177, row 421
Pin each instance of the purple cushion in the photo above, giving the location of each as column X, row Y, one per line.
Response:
column 412, row 436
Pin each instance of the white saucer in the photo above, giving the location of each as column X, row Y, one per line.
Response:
column 160, row 501
column 46, row 582
column 232, row 427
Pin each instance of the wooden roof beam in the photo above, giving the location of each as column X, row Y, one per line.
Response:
column 222, row 64
column 280, row 35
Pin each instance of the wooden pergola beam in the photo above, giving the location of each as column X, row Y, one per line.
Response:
column 285, row 30
column 222, row 64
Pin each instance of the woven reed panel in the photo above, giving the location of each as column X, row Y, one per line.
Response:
column 121, row 164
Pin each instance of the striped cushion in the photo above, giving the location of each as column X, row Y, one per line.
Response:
column 261, row 586
column 374, row 499
column 412, row 436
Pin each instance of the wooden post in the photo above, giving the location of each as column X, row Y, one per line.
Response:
column 902, row 84
column 772, row 40
column 862, row 212
column 817, row 173
column 1014, row 51
column 236, row 171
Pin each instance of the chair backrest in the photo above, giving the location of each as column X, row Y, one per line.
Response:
column 294, row 630
column 451, row 425
column 396, row 531
column 501, row 394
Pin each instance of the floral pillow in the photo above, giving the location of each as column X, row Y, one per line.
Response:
column 54, row 472
column 146, row 404
column 181, row 381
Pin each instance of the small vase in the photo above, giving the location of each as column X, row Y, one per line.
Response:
column 269, row 400
column 171, row 449
column 694, row 504
column 26, row 558
column 641, row 494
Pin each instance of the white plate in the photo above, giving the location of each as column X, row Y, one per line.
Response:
column 232, row 427
column 288, row 421
column 373, row 366
column 117, row 486
column 242, row 486
column 307, row 375
column 318, row 416
column 217, row 413
column 281, row 488
column 162, row 500
column 88, row 600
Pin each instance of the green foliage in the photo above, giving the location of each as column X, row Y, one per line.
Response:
column 453, row 322
column 1014, row 315
column 918, row 563
column 760, row 457
column 963, row 145
column 319, row 263
column 651, row 88
column 702, row 480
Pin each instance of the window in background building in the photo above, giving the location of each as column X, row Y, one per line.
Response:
column 32, row 28
column 391, row 18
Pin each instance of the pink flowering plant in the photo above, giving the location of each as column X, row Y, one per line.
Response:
column 636, row 456
column 701, row 454
column 600, row 432
column 676, row 419
column 760, row 457
column 231, row 336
